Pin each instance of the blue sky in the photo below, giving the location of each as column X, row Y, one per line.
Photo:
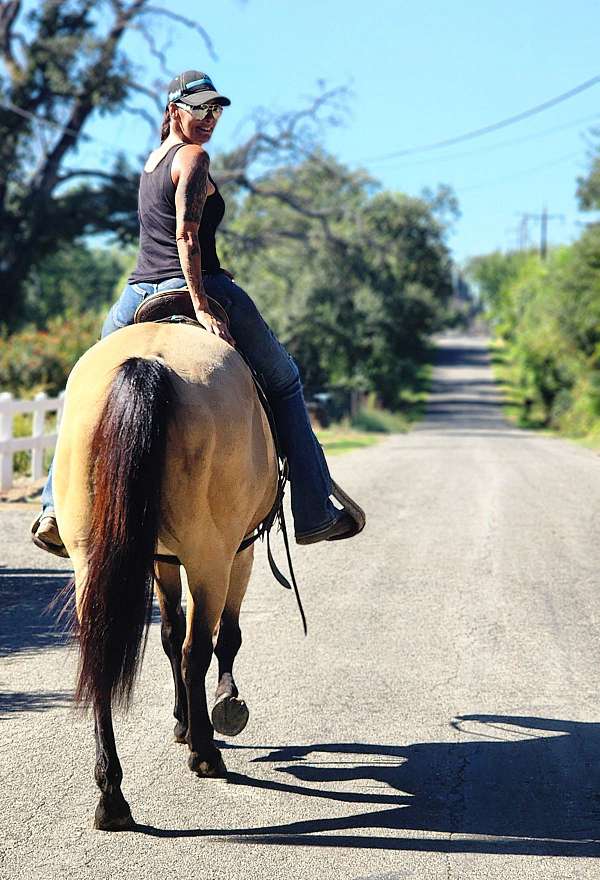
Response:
column 417, row 75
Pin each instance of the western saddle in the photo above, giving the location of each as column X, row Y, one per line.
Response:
column 176, row 306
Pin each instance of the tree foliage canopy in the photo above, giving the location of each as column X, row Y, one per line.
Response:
column 354, row 290
column 588, row 186
column 62, row 63
column 548, row 314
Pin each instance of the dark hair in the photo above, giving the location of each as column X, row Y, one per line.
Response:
column 165, row 126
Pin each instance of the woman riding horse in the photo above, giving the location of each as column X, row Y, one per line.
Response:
column 169, row 452
column 180, row 209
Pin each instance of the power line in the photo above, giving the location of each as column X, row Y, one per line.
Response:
column 523, row 173
column 478, row 132
column 493, row 147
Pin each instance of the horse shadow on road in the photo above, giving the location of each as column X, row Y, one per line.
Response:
column 31, row 605
column 27, row 620
column 525, row 786
column 31, row 601
column 27, row 624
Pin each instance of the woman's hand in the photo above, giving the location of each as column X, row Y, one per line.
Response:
column 213, row 325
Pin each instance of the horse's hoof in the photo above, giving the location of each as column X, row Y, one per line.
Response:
column 180, row 732
column 229, row 715
column 214, row 769
column 105, row 822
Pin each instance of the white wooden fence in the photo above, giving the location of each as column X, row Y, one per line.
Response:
column 36, row 443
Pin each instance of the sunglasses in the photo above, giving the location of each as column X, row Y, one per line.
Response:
column 202, row 111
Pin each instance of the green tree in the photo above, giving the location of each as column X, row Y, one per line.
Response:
column 63, row 63
column 548, row 314
column 352, row 279
column 588, row 187
column 73, row 279
column 492, row 275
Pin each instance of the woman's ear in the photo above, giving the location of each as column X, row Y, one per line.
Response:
column 174, row 118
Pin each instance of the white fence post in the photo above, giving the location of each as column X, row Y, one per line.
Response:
column 37, row 452
column 36, row 443
column 6, row 422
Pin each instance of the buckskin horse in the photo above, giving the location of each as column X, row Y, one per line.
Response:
column 165, row 453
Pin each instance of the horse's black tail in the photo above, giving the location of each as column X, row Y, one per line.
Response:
column 127, row 454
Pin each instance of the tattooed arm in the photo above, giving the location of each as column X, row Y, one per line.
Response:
column 190, row 196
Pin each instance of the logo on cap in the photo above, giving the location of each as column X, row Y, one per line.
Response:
column 195, row 85
column 205, row 81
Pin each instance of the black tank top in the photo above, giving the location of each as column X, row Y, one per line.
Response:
column 158, row 258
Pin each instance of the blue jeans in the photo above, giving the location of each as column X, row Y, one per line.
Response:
column 309, row 475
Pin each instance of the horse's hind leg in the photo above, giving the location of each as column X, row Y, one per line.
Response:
column 112, row 812
column 172, row 631
column 230, row 713
column 205, row 602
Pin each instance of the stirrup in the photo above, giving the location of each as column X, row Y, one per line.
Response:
column 352, row 508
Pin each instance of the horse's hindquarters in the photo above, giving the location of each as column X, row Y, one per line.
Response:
column 219, row 477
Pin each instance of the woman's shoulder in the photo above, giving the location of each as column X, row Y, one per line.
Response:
column 156, row 156
column 190, row 160
column 192, row 154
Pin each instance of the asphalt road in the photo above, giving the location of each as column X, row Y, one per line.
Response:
column 441, row 720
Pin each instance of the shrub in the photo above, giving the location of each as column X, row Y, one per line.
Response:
column 40, row 360
column 379, row 421
column 549, row 318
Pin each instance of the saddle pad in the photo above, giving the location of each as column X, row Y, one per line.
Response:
column 166, row 303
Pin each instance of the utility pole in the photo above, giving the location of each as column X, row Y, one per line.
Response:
column 524, row 233
column 542, row 219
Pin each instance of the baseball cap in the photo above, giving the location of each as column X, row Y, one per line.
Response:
column 195, row 87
